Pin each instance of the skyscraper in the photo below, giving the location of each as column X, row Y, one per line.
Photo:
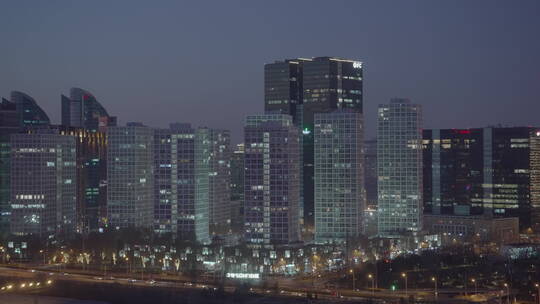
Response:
column 481, row 171
column 81, row 109
column 181, row 182
column 9, row 124
column 91, row 177
column 43, row 183
column 30, row 113
column 283, row 88
column 271, row 197
column 399, row 166
column 302, row 87
column 237, row 173
column 237, row 187
column 339, row 185
column 370, row 171
column 535, row 179
column 219, row 181
column 130, row 176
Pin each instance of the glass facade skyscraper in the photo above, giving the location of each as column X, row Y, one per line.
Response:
column 271, row 195
column 182, row 160
column 130, row 176
column 219, row 181
column 339, row 183
column 9, row 124
column 81, row 109
column 481, row 171
column 43, row 183
column 302, row 87
column 30, row 113
column 370, row 172
column 399, row 166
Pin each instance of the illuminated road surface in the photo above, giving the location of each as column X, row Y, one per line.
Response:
column 27, row 299
column 288, row 287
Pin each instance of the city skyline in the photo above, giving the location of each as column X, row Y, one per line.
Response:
column 450, row 67
column 270, row 152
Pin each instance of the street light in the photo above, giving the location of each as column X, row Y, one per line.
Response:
column 475, row 285
column 434, row 280
column 507, row 293
column 370, row 276
column 404, row 276
column 537, row 285
column 353, row 279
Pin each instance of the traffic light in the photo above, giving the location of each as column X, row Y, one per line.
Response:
column 393, row 287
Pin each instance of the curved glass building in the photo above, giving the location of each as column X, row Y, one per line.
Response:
column 82, row 109
column 30, row 114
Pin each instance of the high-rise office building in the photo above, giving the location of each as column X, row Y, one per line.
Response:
column 237, row 187
column 283, row 87
column 181, row 182
column 219, row 181
column 9, row 124
column 21, row 113
column 271, row 197
column 339, row 184
column 370, row 171
column 534, row 161
column 303, row 87
column 130, row 199
column 91, row 177
column 43, row 183
column 399, row 166
column 30, row 113
column 481, row 171
column 81, row 109
column 237, row 173
column 91, row 147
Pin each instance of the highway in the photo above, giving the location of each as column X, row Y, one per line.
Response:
column 287, row 286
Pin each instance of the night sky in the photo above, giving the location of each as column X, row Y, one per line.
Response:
column 469, row 63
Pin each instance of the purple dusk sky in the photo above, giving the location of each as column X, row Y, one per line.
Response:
column 469, row 63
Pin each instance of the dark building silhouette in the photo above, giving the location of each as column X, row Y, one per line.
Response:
column 29, row 112
column 81, row 109
column 483, row 171
column 370, row 171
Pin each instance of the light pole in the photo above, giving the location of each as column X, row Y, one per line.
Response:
column 475, row 285
column 404, row 276
column 434, row 280
column 353, row 280
column 127, row 265
column 507, row 293
column 370, row 276
column 537, row 285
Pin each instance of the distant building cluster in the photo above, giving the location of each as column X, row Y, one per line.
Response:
column 304, row 172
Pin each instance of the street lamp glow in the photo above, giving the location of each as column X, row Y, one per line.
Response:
column 403, row 274
column 49, row 282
